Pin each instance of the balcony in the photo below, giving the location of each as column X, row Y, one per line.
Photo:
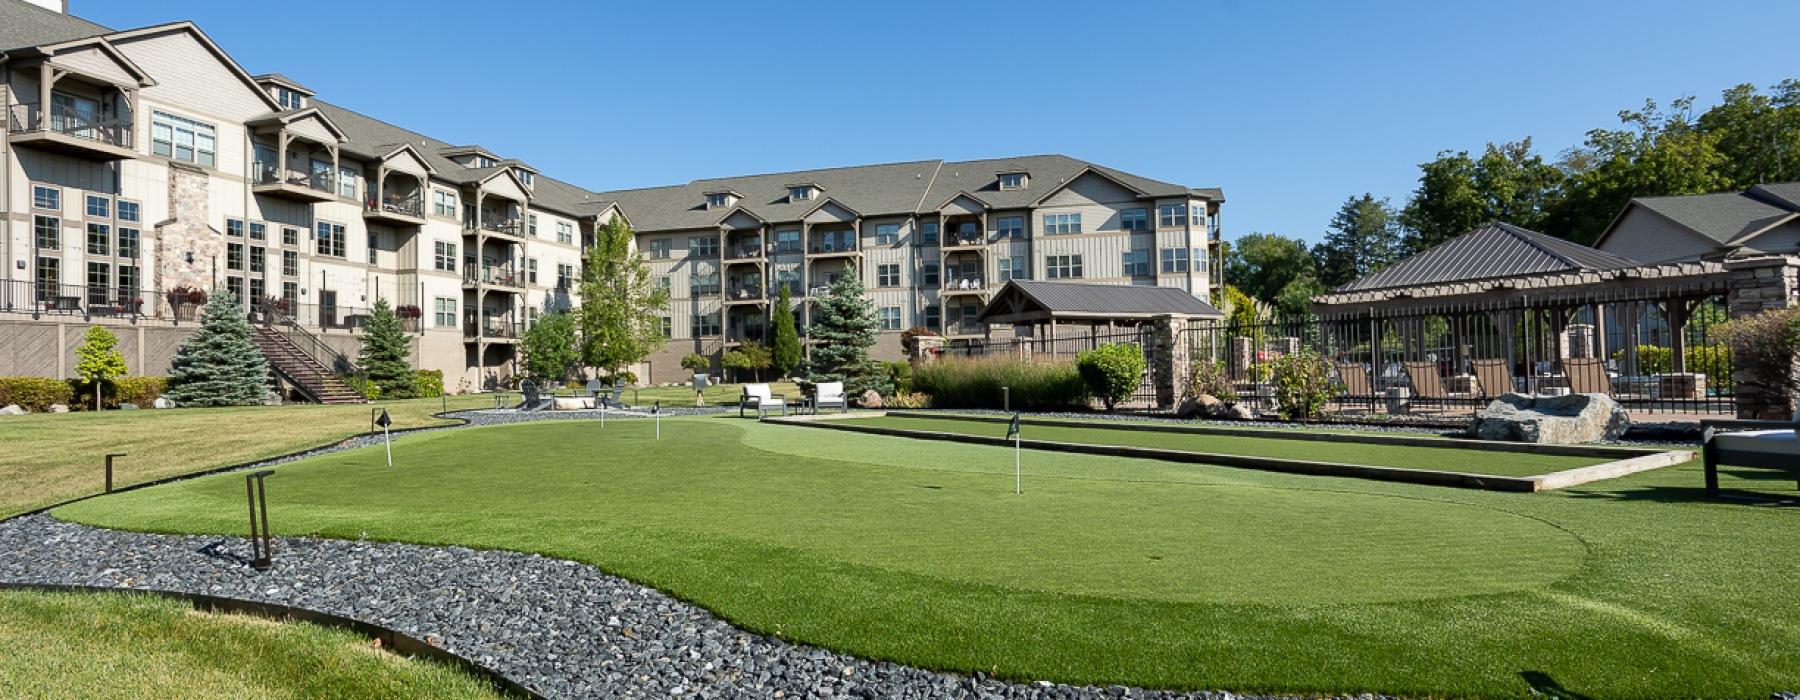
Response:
column 505, row 227
column 396, row 210
column 292, row 185
column 740, row 335
column 833, row 246
column 72, row 133
column 493, row 330
column 964, row 329
column 964, row 241
column 746, row 295
column 492, row 277
column 744, row 253
column 966, row 285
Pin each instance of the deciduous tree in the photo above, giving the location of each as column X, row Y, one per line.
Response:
column 99, row 361
column 621, row 308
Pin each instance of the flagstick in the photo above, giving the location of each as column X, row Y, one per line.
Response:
column 1018, row 468
column 602, row 415
column 388, row 440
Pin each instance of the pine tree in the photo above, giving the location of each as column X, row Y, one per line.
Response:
column 218, row 365
column 385, row 357
column 785, row 352
column 99, row 360
column 844, row 327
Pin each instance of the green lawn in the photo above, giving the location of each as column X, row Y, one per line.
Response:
column 1449, row 458
column 1107, row 570
column 125, row 646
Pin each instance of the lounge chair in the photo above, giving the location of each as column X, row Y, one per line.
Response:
column 1494, row 377
column 758, row 396
column 1427, row 385
column 1587, row 376
column 1357, row 384
column 830, row 394
column 1761, row 444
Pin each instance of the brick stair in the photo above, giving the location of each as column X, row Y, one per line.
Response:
column 304, row 371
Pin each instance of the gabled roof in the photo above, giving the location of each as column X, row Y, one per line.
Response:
column 23, row 24
column 50, row 50
column 211, row 47
column 289, row 116
column 1725, row 218
column 1493, row 251
column 1090, row 170
column 1039, row 300
column 285, row 82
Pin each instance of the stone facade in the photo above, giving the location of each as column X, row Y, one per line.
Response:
column 187, row 248
column 1761, row 284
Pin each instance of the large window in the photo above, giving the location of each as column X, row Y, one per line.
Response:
column 928, row 274
column 234, row 228
column 99, row 277
column 49, row 276
column 443, row 203
column 934, row 318
column 259, row 289
column 1134, row 220
column 1137, row 262
column 659, row 248
column 257, row 257
column 347, row 181
column 290, row 293
column 181, row 139
column 1062, row 223
column 928, row 233
column 290, row 263
column 565, row 276
column 46, row 197
column 331, row 239
column 706, row 324
column 887, row 233
column 128, row 239
column 790, row 279
column 1171, row 215
column 49, row 232
column 445, row 309
column 129, row 279
column 1062, row 267
column 565, row 233
column 1174, row 260
column 668, row 327
column 887, row 275
column 703, row 283
column 258, row 231
column 703, row 246
column 129, row 211
column 1010, row 227
column 99, row 239
column 99, row 207
column 234, row 256
column 290, row 236
column 787, row 241
column 1012, row 269
column 890, row 318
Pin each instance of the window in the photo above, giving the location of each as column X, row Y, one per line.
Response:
column 257, row 254
column 236, row 285
column 443, row 203
column 928, row 233
column 128, row 240
column 928, row 275
column 799, row 194
column 1062, row 267
column 1010, row 227
column 703, row 246
column 887, row 233
column 565, row 232
column 1062, row 223
column 99, row 239
column 664, row 283
column 46, row 197
column 887, row 275
column 703, row 284
column 706, row 324
column 668, row 327
column 49, row 232
column 525, row 176
column 288, row 99
column 347, row 181
column 834, row 241
column 531, row 225
column 129, row 211
column 789, row 279
column 258, row 290
column 129, row 279
column 1198, row 214
column 49, row 276
column 1012, row 269
column 99, row 207
column 290, row 293
column 565, row 276
column 530, row 270
column 331, row 239
column 787, row 241
column 445, row 309
column 234, row 228
column 290, row 263
column 374, row 245
column 715, row 201
column 234, row 256
column 890, row 318
column 934, row 317
column 659, row 248
column 258, row 231
column 181, row 139
column 290, row 236
column 1137, row 262
column 99, row 277
column 1174, row 260
column 1134, row 220
column 1170, row 215
column 1012, row 181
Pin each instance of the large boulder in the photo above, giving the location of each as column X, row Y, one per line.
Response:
column 13, row 410
column 161, row 402
column 1562, row 420
column 870, row 399
column 1239, row 411
column 59, row 408
column 1202, row 406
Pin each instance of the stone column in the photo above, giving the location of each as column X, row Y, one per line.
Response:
column 1243, row 355
column 1759, row 284
column 925, row 349
column 1168, row 355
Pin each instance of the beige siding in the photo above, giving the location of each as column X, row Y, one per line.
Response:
column 1091, row 189
column 189, row 75
column 505, row 187
column 831, row 213
column 312, row 128
column 1649, row 237
column 1784, row 239
column 93, row 61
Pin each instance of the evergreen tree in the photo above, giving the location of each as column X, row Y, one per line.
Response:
column 99, row 361
column 785, row 353
column 551, row 347
column 1364, row 238
column 218, row 365
column 385, row 358
column 844, row 328
column 621, row 308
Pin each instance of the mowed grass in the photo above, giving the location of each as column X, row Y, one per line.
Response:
column 126, row 646
column 1448, row 458
column 1106, row 570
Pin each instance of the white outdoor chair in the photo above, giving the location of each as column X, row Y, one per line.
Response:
column 830, row 394
column 757, row 396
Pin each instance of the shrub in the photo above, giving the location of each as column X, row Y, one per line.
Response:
column 1303, row 384
column 900, row 373
column 1112, row 372
column 430, row 382
column 1767, row 345
column 1210, row 378
column 1714, row 362
column 907, row 400
column 696, row 362
column 141, row 391
column 907, row 336
column 35, row 394
column 1037, row 385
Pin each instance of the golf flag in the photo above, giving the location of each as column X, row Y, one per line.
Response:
column 386, row 438
column 1012, row 431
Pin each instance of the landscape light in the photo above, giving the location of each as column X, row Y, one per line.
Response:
column 260, row 540
column 109, row 469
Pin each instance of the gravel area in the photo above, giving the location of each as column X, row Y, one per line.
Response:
column 564, row 629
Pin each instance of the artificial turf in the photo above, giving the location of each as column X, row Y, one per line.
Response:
column 1106, row 570
column 1448, row 458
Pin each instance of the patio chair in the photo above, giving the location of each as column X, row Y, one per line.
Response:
column 830, row 394
column 1357, row 384
column 1427, row 385
column 758, row 396
column 1587, row 376
column 1494, row 377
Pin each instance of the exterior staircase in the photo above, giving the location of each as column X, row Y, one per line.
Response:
column 307, row 373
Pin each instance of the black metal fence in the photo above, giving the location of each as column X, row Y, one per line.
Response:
column 1652, row 355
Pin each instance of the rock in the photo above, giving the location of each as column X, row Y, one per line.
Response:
column 128, row 407
column 272, row 398
column 161, row 402
column 59, row 408
column 1202, row 406
column 13, row 410
column 1239, row 411
column 1212, row 407
column 1561, row 420
column 870, row 399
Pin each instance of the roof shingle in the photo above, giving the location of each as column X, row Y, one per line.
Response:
column 1492, row 251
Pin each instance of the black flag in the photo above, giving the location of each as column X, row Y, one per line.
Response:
column 384, row 421
column 1013, row 430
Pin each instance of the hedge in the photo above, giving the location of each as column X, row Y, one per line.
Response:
column 35, row 394
column 1037, row 385
column 138, row 391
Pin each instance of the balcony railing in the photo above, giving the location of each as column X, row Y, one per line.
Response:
column 493, row 329
column 413, row 206
column 109, row 130
column 739, row 335
column 964, row 240
column 833, row 245
column 744, row 252
column 966, row 284
column 965, row 328
column 271, row 174
column 752, row 293
column 511, row 227
column 500, row 276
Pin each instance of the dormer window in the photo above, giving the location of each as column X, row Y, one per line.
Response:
column 524, row 176
column 484, row 162
column 1013, row 181
column 289, row 99
column 718, row 201
column 799, row 194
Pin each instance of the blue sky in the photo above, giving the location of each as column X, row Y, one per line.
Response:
column 1290, row 107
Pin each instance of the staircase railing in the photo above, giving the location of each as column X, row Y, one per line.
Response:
column 333, row 360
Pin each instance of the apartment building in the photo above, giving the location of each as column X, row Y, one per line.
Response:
column 931, row 240
column 144, row 164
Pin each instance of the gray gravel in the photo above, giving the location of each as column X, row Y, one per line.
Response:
column 564, row 629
